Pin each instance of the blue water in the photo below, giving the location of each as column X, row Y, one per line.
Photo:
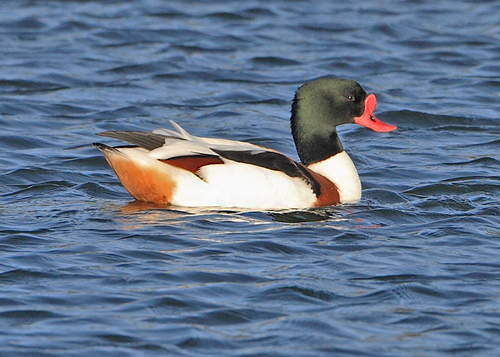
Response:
column 412, row 270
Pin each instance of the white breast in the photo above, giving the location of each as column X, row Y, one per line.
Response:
column 341, row 171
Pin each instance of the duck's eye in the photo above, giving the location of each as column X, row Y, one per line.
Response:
column 350, row 98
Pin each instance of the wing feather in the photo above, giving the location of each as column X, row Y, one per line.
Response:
column 192, row 152
column 274, row 161
column 148, row 141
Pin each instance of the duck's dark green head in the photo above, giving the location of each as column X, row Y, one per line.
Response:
column 319, row 106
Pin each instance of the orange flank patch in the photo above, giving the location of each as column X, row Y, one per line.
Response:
column 329, row 193
column 193, row 163
column 144, row 182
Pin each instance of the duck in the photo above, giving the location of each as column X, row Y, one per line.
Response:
column 174, row 167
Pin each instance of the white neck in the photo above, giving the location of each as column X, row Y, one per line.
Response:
column 341, row 171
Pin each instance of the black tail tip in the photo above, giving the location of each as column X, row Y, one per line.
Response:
column 102, row 147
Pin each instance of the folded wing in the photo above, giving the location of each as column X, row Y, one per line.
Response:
column 189, row 152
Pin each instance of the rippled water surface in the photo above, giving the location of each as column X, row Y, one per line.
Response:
column 412, row 270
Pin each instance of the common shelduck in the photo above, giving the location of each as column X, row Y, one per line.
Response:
column 175, row 167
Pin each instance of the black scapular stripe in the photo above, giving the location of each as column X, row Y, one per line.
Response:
column 273, row 161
